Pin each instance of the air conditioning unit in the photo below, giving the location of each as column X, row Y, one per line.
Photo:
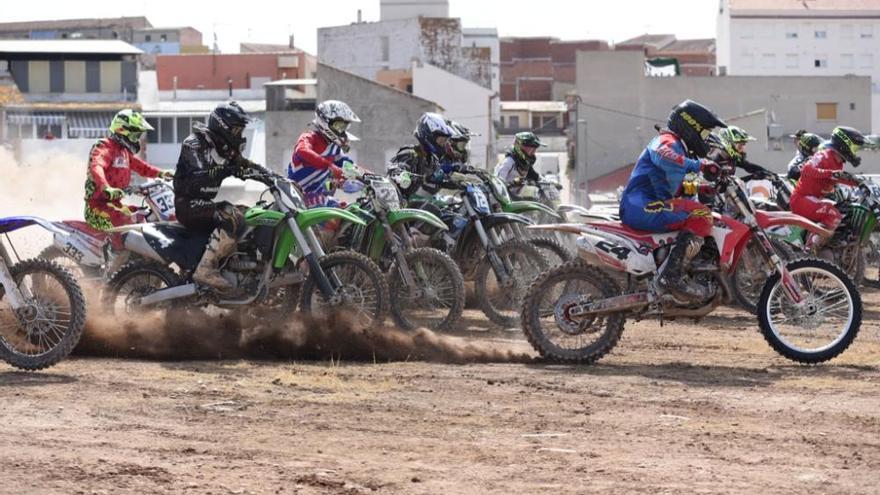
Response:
column 774, row 131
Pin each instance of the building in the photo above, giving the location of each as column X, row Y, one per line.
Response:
column 694, row 57
column 387, row 115
column 617, row 106
column 169, row 40
column 540, row 69
column 802, row 38
column 120, row 28
column 391, row 10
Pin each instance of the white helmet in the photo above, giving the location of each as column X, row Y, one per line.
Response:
column 332, row 119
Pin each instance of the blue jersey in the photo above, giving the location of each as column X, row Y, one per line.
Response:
column 659, row 172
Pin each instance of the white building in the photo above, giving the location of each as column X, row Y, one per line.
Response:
column 802, row 38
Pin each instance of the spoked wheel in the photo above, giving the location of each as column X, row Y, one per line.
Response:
column 78, row 271
column 501, row 296
column 820, row 327
column 437, row 299
column 133, row 282
column 51, row 322
column 751, row 272
column 359, row 287
column 547, row 315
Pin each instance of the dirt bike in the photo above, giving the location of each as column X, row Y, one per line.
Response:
column 94, row 255
column 576, row 312
column 264, row 270
column 550, row 247
column 42, row 309
column 426, row 287
column 500, row 268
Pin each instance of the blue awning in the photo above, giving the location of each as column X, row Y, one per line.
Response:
column 39, row 118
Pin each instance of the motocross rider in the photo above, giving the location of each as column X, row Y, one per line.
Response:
column 458, row 147
column 517, row 166
column 111, row 161
column 210, row 154
column 649, row 202
column 807, row 143
column 821, row 173
column 731, row 154
column 320, row 153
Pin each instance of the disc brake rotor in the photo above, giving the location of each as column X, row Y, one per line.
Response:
column 562, row 314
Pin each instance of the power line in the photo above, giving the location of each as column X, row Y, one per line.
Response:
column 621, row 112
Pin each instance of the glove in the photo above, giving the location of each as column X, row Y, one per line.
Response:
column 842, row 175
column 689, row 184
column 709, row 169
column 166, row 174
column 350, row 170
column 518, row 181
column 113, row 193
column 403, row 179
column 336, row 172
column 438, row 176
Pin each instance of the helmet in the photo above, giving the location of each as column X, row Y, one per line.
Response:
column 732, row 136
column 848, row 142
column 693, row 123
column 524, row 146
column 807, row 143
column 429, row 130
column 332, row 119
column 226, row 124
column 127, row 127
column 458, row 148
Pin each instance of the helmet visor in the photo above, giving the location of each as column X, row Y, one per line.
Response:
column 339, row 126
column 441, row 141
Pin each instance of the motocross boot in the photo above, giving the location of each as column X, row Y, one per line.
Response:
column 671, row 277
column 220, row 245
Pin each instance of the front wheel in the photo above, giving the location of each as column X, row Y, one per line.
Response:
column 358, row 284
column 552, row 250
column 751, row 272
column 501, row 295
column 437, row 299
column 548, row 319
column 50, row 323
column 820, row 327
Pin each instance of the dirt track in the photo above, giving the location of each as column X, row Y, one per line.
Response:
column 682, row 408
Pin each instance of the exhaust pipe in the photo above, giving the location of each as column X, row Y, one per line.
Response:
column 168, row 294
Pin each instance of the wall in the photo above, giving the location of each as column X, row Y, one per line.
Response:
column 210, row 71
column 282, row 131
column 615, row 81
column 407, row 9
column 358, row 48
column 486, row 38
column 388, row 116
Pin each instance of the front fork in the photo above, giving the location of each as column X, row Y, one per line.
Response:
column 788, row 283
column 17, row 295
column 398, row 250
column 313, row 252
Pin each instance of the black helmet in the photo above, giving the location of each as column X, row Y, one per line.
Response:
column 458, row 147
column 693, row 123
column 848, row 142
column 526, row 139
column 807, row 143
column 430, row 128
column 226, row 125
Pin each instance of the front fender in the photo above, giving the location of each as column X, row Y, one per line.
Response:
column 768, row 219
column 314, row 216
column 414, row 215
column 524, row 206
column 495, row 219
column 570, row 208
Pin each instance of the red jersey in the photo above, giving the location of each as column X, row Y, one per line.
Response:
column 817, row 174
column 110, row 164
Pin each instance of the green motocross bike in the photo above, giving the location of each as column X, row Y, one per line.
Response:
column 265, row 269
column 426, row 287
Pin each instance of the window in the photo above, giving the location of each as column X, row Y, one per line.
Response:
column 153, row 136
column 44, row 130
column 514, row 121
column 166, row 130
column 820, row 33
column 791, row 31
column 852, row 106
column 748, row 60
column 866, row 32
column 846, row 31
column 148, row 38
column 820, row 62
column 846, row 61
column 791, row 61
column 866, row 61
column 768, row 61
column 383, row 40
column 826, row 111
column 163, row 37
column 183, row 128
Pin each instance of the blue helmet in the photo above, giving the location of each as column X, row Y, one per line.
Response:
column 429, row 130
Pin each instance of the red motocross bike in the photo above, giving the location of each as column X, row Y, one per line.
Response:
column 809, row 310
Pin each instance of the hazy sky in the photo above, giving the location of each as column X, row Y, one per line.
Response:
column 270, row 21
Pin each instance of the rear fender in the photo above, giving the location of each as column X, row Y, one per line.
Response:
column 314, row 216
column 609, row 250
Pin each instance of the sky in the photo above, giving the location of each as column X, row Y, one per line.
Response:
column 272, row 21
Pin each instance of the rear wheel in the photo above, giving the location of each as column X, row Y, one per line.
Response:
column 501, row 297
column 552, row 250
column 358, row 284
column 50, row 323
column 820, row 327
column 549, row 325
column 437, row 300
column 134, row 281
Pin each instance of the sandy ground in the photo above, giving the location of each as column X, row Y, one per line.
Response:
column 678, row 408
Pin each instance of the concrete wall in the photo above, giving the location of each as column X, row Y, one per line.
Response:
column 197, row 71
column 358, row 48
column 406, row 9
column 463, row 101
column 620, row 105
column 282, row 131
column 387, row 115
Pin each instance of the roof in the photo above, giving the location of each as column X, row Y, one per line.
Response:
column 384, row 86
column 292, row 82
column 805, row 6
column 72, row 106
column 690, row 46
column 267, row 48
column 534, row 106
column 656, row 40
column 68, row 46
column 134, row 22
